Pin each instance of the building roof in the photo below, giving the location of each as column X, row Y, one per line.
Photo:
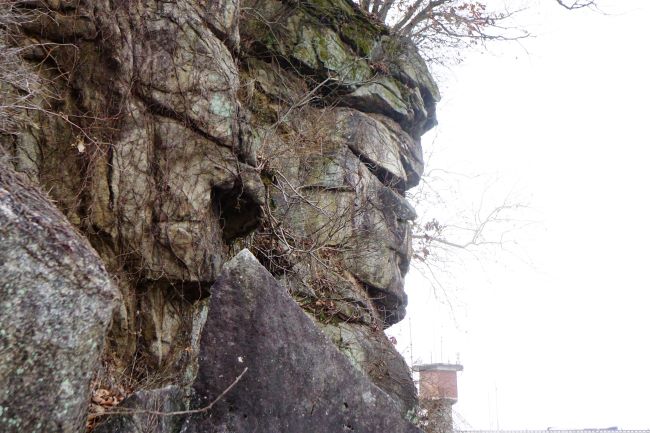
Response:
column 438, row 367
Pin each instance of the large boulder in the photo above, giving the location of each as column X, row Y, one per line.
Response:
column 56, row 301
column 296, row 379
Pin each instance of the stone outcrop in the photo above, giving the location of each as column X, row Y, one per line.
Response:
column 56, row 301
column 296, row 380
column 172, row 135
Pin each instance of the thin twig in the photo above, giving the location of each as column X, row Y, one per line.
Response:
column 179, row 412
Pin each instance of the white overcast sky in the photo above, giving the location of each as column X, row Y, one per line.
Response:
column 556, row 335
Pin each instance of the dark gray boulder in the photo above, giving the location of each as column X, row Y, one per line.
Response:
column 56, row 301
column 297, row 381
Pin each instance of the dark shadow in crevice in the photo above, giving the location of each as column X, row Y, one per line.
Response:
column 237, row 212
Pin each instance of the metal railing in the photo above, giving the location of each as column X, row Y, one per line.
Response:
column 587, row 430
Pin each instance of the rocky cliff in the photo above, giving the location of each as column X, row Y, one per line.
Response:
column 171, row 136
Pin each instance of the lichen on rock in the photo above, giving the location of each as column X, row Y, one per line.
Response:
column 174, row 134
column 294, row 379
column 56, row 301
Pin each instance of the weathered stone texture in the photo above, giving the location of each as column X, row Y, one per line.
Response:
column 296, row 381
column 56, row 301
column 339, row 174
column 145, row 157
column 174, row 134
column 371, row 352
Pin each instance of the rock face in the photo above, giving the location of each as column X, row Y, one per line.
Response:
column 148, row 413
column 174, row 134
column 56, row 301
column 297, row 381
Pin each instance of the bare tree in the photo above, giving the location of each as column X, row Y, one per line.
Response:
column 442, row 29
column 465, row 220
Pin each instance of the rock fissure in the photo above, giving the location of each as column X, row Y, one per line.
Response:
column 382, row 174
column 191, row 131
column 159, row 109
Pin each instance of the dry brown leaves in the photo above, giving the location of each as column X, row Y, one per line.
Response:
column 101, row 401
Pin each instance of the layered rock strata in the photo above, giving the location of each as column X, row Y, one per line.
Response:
column 174, row 134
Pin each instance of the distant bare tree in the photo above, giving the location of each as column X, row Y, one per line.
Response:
column 463, row 220
column 443, row 28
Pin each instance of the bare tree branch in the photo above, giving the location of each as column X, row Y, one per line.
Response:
column 442, row 29
column 179, row 412
column 385, row 9
column 576, row 4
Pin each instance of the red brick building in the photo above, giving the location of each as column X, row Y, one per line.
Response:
column 438, row 391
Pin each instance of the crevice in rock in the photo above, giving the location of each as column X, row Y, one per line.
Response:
column 403, row 262
column 327, row 188
column 161, row 110
column 387, row 178
column 237, row 211
column 390, row 308
column 331, row 307
column 312, row 77
column 384, row 303
column 412, row 175
column 109, row 176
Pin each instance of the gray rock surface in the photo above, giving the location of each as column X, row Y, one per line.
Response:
column 296, row 381
column 173, row 134
column 56, row 301
column 149, row 408
column 154, row 172
column 371, row 352
column 384, row 145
